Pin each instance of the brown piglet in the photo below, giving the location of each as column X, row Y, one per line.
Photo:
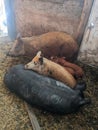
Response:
column 72, row 68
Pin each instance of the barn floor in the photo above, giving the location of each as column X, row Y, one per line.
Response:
column 14, row 116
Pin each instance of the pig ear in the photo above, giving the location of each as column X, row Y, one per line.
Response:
column 19, row 37
column 39, row 54
column 41, row 60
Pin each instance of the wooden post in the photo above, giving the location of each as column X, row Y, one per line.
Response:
column 83, row 21
column 9, row 9
column 88, row 53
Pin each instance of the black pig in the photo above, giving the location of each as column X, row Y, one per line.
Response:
column 43, row 92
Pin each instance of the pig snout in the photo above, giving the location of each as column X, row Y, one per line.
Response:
column 26, row 66
column 15, row 54
column 30, row 65
column 11, row 53
column 17, row 50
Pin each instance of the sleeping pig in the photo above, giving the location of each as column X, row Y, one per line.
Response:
column 51, row 44
column 74, row 69
column 43, row 92
column 48, row 68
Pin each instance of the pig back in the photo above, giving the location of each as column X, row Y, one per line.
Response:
column 52, row 44
column 42, row 92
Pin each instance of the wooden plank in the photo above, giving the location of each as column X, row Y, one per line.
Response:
column 33, row 119
column 84, row 18
column 89, row 47
column 34, row 17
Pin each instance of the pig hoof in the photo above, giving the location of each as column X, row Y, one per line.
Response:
column 85, row 102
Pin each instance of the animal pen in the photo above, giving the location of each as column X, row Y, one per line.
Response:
column 66, row 31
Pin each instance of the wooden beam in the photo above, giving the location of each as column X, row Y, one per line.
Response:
column 33, row 119
column 83, row 20
column 9, row 9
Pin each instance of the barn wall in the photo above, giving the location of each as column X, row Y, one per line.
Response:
column 34, row 17
column 89, row 48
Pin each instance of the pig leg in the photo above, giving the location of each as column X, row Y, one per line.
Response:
column 84, row 102
column 81, row 94
column 81, row 86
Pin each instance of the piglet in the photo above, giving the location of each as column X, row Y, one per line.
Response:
column 46, row 67
column 74, row 69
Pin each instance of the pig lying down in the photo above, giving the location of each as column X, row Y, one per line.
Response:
column 51, row 44
column 43, row 92
column 74, row 69
column 48, row 68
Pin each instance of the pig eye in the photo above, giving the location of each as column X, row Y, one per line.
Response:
column 35, row 63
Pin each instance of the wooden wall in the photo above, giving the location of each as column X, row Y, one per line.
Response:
column 34, row 17
column 89, row 47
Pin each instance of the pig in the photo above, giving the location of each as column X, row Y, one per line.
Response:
column 51, row 43
column 43, row 92
column 48, row 68
column 70, row 70
column 74, row 69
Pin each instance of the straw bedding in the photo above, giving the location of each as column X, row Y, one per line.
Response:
column 14, row 116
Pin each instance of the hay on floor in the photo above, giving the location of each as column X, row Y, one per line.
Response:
column 14, row 116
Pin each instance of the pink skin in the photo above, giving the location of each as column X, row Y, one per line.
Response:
column 46, row 67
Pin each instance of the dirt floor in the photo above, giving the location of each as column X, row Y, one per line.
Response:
column 14, row 116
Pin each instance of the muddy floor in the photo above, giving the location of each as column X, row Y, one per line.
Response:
column 14, row 116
